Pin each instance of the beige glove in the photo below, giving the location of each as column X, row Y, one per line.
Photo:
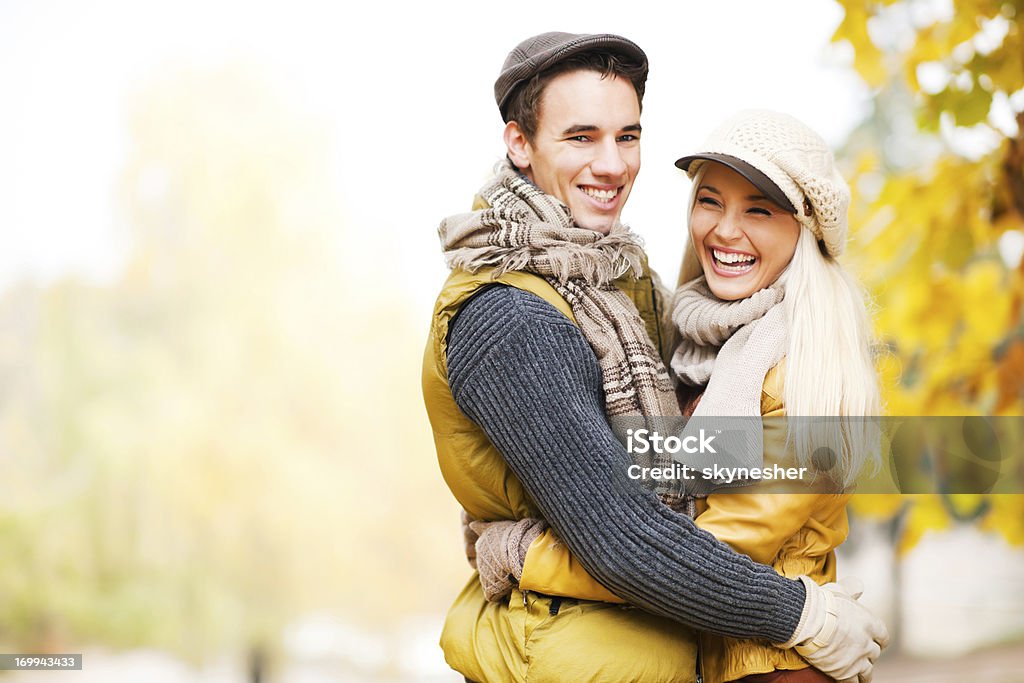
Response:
column 836, row 634
column 501, row 553
column 468, row 538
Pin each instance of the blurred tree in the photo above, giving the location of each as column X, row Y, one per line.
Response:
column 938, row 176
column 231, row 434
column 940, row 229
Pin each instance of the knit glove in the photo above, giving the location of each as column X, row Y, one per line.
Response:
column 468, row 538
column 836, row 634
column 501, row 553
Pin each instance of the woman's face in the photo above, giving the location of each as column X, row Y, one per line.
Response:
column 743, row 240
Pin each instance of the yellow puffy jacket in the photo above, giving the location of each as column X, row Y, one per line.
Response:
column 794, row 533
column 531, row 637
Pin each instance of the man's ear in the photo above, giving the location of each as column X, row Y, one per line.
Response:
column 519, row 149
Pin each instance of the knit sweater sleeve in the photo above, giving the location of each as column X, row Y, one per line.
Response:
column 524, row 373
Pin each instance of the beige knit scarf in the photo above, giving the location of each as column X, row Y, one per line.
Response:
column 729, row 347
column 527, row 230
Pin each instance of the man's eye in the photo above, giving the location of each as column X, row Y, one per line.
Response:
column 580, row 138
column 628, row 138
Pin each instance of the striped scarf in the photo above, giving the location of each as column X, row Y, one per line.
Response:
column 527, row 230
column 727, row 348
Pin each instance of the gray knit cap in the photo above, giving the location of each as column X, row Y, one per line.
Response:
column 535, row 54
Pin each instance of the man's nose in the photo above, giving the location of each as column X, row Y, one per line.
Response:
column 609, row 161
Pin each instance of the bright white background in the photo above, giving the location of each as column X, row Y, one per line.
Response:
column 405, row 92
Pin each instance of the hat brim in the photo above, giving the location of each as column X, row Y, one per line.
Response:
column 754, row 175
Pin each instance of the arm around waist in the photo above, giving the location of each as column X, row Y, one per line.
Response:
column 526, row 375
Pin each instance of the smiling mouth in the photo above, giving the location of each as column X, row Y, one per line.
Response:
column 733, row 262
column 601, row 196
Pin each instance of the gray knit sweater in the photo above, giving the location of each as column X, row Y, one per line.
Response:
column 526, row 375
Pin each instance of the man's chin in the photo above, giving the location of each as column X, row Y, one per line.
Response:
column 602, row 225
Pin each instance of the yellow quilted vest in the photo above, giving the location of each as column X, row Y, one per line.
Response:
column 529, row 637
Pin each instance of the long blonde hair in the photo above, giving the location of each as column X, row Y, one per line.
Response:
column 830, row 369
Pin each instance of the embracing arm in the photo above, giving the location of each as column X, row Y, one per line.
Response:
column 524, row 373
column 753, row 523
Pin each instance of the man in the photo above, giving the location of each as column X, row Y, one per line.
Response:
column 543, row 331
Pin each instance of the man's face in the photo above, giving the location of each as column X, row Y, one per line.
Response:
column 586, row 151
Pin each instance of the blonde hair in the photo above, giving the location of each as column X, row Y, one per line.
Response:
column 830, row 369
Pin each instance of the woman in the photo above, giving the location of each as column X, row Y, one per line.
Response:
column 769, row 324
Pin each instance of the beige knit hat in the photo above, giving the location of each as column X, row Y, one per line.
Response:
column 794, row 158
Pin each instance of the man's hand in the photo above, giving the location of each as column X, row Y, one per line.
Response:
column 468, row 538
column 501, row 552
column 837, row 635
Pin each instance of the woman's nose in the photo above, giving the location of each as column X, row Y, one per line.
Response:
column 728, row 227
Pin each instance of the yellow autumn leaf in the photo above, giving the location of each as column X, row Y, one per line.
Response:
column 877, row 505
column 925, row 515
column 1006, row 517
column 868, row 59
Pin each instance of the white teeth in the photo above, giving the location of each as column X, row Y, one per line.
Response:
column 602, row 195
column 729, row 257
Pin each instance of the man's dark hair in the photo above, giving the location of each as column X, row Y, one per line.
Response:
column 523, row 105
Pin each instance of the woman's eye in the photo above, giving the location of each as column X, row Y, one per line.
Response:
column 707, row 201
column 759, row 211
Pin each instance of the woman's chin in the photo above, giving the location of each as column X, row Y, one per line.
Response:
column 730, row 289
